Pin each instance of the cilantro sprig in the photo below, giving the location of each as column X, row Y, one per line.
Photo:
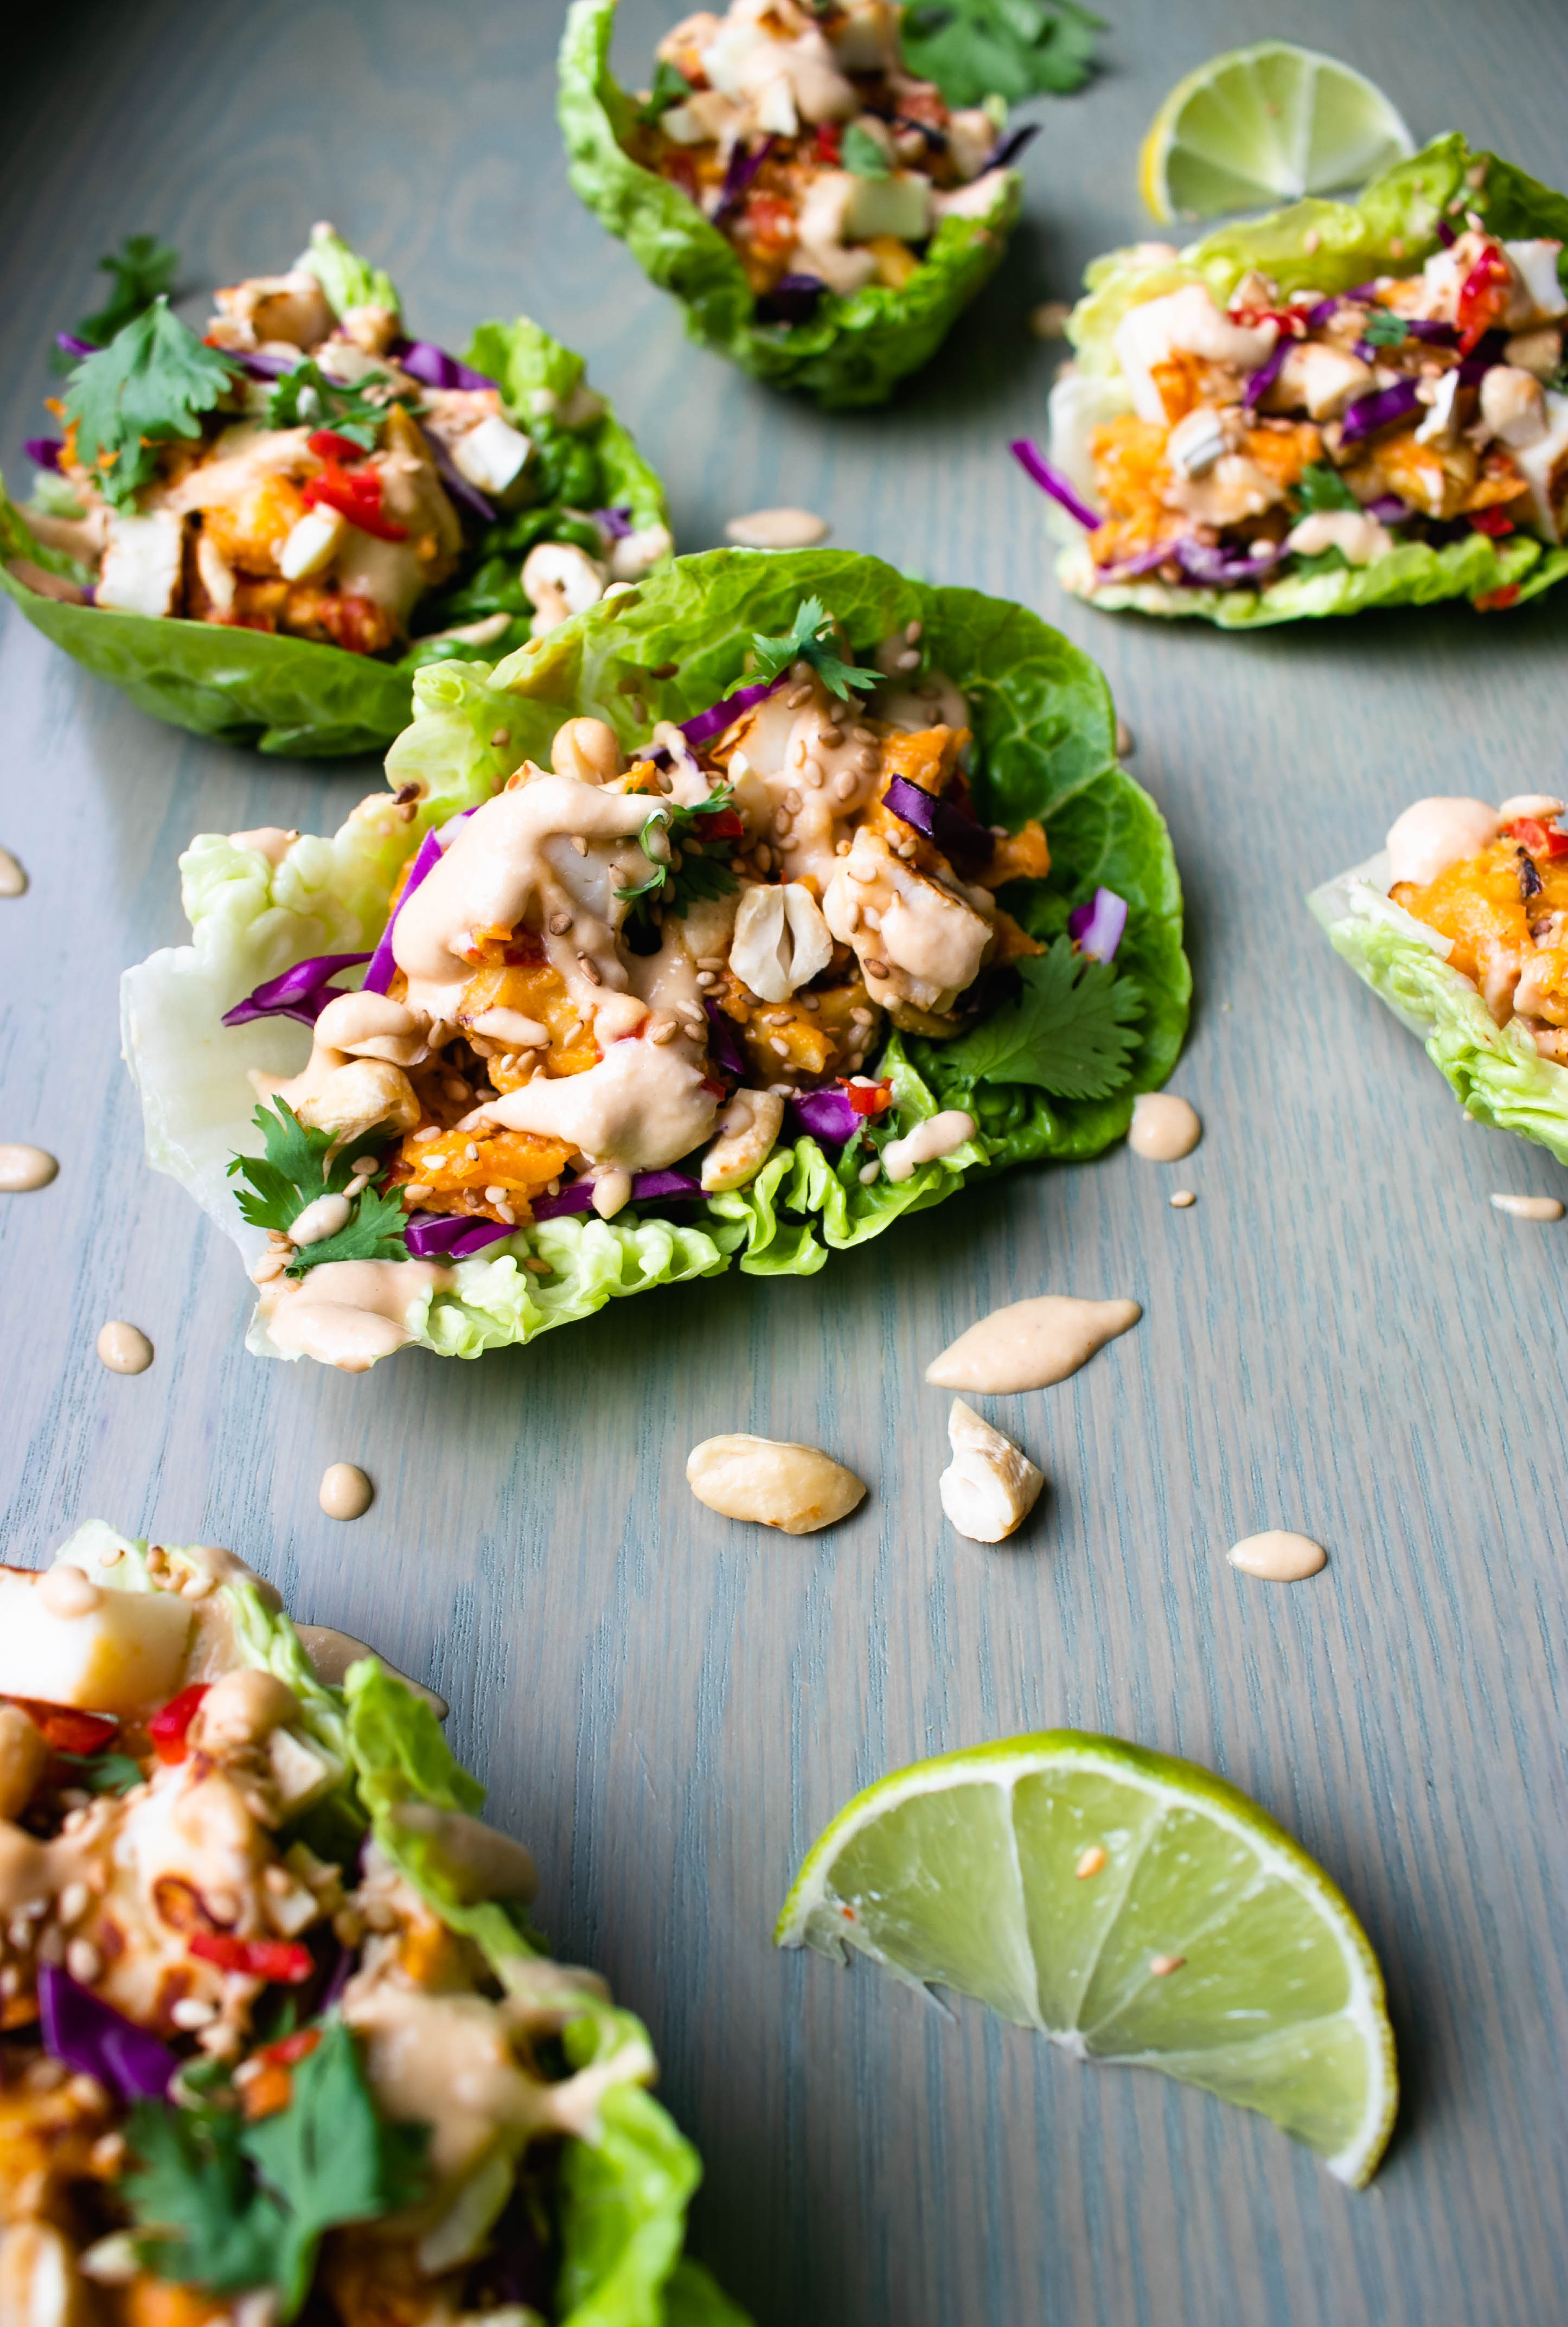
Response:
column 670, row 84
column 103, row 1773
column 139, row 270
column 1323, row 488
column 296, row 1170
column 861, row 155
column 224, row 2204
column 1013, row 49
column 1069, row 1032
column 1384, row 330
column 152, row 383
column 810, row 639
column 704, row 871
column 307, row 398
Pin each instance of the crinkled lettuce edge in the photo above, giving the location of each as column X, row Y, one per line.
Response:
column 1496, row 1073
column 855, row 348
column 1415, row 574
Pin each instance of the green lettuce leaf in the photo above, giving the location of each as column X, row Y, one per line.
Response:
column 1326, row 246
column 347, row 280
column 293, row 696
column 1496, row 1073
column 855, row 349
column 1045, row 733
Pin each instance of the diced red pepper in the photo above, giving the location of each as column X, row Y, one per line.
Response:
column 722, row 825
column 1292, row 322
column 1497, row 601
column 869, row 1099
column 1539, row 839
column 1482, row 297
column 356, row 494
column 328, row 445
column 276, row 1959
column 66, row 1729
column 290, row 2049
column 829, row 143
column 1491, row 520
column 169, row 1725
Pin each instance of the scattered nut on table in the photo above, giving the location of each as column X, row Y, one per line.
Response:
column 990, row 1487
column 773, row 1481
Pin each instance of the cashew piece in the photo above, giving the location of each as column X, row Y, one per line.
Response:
column 748, row 1133
column 774, row 1481
column 355, row 1098
column 557, row 576
column 781, row 940
column 990, row 1487
column 587, row 749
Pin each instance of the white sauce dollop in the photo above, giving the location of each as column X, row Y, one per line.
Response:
column 1434, row 834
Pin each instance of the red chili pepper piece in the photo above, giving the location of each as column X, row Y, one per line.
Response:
column 869, row 1099
column 68, row 1731
column 355, row 494
column 829, row 143
column 1483, row 295
column 1537, row 838
column 722, row 825
column 328, row 445
column 1291, row 320
column 276, row 1959
column 168, row 1726
column 290, row 2049
column 1491, row 520
column 1497, row 601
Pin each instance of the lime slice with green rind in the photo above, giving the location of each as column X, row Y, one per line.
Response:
column 1131, row 1907
column 1265, row 125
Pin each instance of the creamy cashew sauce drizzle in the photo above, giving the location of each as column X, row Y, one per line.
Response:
column 22, row 1168
column 1529, row 1208
column 123, row 1348
column 1165, row 1128
column 12, row 875
column 346, row 1491
column 1278, row 1556
column 550, row 852
column 1030, row 1344
column 778, row 529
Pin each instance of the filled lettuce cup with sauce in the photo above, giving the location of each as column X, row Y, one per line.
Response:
column 1460, row 924
column 730, row 922
column 822, row 213
column 278, row 2037
column 261, row 533
column 1341, row 405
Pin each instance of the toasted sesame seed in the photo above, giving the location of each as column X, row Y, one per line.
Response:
column 851, row 916
column 782, row 1049
column 497, row 1195
column 498, row 736
column 590, row 969
column 913, row 632
column 416, row 1190
column 793, row 801
column 1093, row 1861
column 775, row 1018
column 796, row 697
column 663, row 1030
column 537, row 1268
column 810, row 1002
column 877, row 969
column 404, row 794
column 830, row 736
column 866, row 760
column 843, row 785
column 863, row 874
column 1182, row 1198
column 431, row 1131
column 861, row 1018
column 506, row 1212
column 1163, row 1966
column 783, row 825
column 908, row 660
column 74, row 1902
column 454, row 1087
column 841, row 847
column 710, row 961
column 861, row 735
column 470, row 1152
column 764, row 856
column 706, row 977
column 559, row 924
column 83, row 1961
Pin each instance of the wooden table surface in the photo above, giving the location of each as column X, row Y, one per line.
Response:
column 1342, row 1336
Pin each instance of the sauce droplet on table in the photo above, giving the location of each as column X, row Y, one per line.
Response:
column 12, row 875
column 23, row 1167
column 1165, row 1128
column 123, row 1347
column 1529, row 1208
column 777, row 528
column 1030, row 1344
column 1278, row 1556
column 346, row 1491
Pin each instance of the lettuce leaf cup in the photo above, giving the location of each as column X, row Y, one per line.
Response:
column 263, row 533
column 277, row 2036
column 1340, row 405
column 822, row 215
column 1460, row 924
column 826, row 895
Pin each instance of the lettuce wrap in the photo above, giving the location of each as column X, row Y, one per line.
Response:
column 584, row 486
column 845, row 342
column 1046, row 1063
column 1389, row 528
column 295, row 1977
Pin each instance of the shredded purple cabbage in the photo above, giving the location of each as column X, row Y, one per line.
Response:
column 89, row 594
column 467, row 496
column 722, row 1047
column 260, row 365
column 794, row 299
column 451, row 1236
column 1445, row 234
column 826, row 1115
column 44, row 452
column 1389, row 510
column 1096, row 928
column 743, row 167
column 1370, row 413
column 1006, row 150
column 1440, row 335
column 958, row 836
column 706, row 725
column 647, row 1187
column 1033, row 463
column 73, row 346
column 1320, row 314
column 1263, row 378
column 302, row 991
column 1131, row 569
column 379, row 976
column 614, row 522
column 421, row 359
column 91, row 2037
column 1220, row 568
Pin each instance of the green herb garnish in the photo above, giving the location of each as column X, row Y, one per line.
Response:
column 228, row 2205
column 703, row 870
column 811, row 639
column 141, row 268
column 103, row 1773
column 150, row 385
column 861, row 155
column 1383, row 329
column 1014, row 49
column 295, row 1171
column 1323, row 488
column 670, row 84
column 307, row 398
column 1068, row 1032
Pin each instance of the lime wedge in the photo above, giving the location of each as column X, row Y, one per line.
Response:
column 1130, row 1907
column 1262, row 125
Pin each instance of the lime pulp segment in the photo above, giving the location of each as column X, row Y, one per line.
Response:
column 1128, row 1906
column 1266, row 125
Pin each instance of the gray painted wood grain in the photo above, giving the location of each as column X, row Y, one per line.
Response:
column 1340, row 1336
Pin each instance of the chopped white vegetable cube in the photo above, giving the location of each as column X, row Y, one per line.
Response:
column 1535, row 265
column 493, row 455
column 141, row 563
column 68, row 1641
column 899, row 204
column 311, row 544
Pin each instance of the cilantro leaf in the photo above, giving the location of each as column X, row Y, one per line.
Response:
column 670, row 84
column 150, row 383
column 229, row 2205
column 307, row 398
column 1323, row 488
column 104, row 1773
column 295, row 1171
column 861, row 155
column 1383, row 329
column 703, row 870
column 806, row 642
column 1012, row 48
column 1068, row 1032
column 140, row 269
